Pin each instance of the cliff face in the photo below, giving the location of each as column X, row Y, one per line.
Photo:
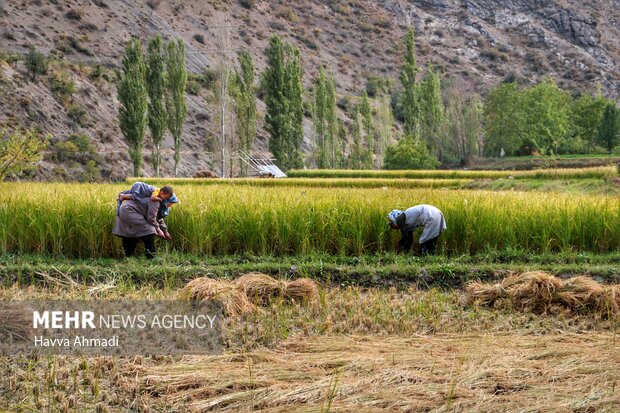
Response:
column 477, row 42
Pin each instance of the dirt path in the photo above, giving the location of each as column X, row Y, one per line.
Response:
column 436, row 373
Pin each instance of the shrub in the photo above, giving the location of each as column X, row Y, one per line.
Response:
column 36, row 63
column 376, row 85
column 77, row 114
column 74, row 14
column 62, row 87
column 248, row 4
column 409, row 153
column 193, row 87
column 77, row 148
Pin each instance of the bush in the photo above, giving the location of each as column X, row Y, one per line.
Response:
column 62, row 87
column 36, row 63
column 77, row 114
column 248, row 4
column 409, row 153
column 74, row 14
column 77, row 148
column 376, row 85
column 193, row 87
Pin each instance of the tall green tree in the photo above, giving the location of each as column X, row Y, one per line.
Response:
column 176, row 105
column 319, row 116
column 275, row 97
column 504, row 120
column 356, row 154
column 385, row 125
column 369, row 131
column 432, row 115
column 284, row 101
column 295, row 99
column 547, row 118
column 332, row 122
column 609, row 129
column 341, row 145
column 587, row 112
column 245, row 103
column 409, row 94
column 132, row 95
column 156, row 87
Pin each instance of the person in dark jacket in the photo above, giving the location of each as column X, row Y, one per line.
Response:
column 141, row 220
column 426, row 216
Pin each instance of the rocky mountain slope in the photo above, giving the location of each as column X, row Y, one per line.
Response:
column 478, row 42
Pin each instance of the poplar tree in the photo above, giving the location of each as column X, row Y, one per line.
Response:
column 385, row 125
column 156, row 86
column 432, row 113
column 320, row 120
column 408, row 73
column 332, row 122
column 340, row 145
column 356, row 156
column 245, row 103
column 369, row 131
column 294, row 89
column 176, row 106
column 132, row 96
column 275, row 98
column 609, row 129
column 284, row 101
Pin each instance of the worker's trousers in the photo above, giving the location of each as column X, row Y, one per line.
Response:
column 429, row 247
column 129, row 245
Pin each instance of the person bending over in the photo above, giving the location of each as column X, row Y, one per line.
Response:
column 426, row 216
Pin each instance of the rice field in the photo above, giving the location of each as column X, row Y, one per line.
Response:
column 402, row 183
column 563, row 173
column 75, row 220
column 345, row 324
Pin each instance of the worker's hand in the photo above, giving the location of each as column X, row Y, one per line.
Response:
column 167, row 236
column 159, row 233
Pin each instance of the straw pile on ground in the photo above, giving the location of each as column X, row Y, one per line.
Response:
column 301, row 290
column 15, row 321
column 240, row 296
column 260, row 288
column 234, row 301
column 540, row 292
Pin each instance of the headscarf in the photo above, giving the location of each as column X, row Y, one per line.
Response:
column 166, row 204
column 392, row 216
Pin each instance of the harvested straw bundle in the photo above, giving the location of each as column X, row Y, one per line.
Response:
column 15, row 321
column 541, row 292
column 234, row 301
column 260, row 288
column 483, row 294
column 582, row 292
column 301, row 290
column 532, row 290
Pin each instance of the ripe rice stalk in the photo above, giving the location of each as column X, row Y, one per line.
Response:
column 562, row 173
column 76, row 220
column 260, row 288
column 234, row 301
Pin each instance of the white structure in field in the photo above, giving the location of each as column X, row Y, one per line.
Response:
column 261, row 167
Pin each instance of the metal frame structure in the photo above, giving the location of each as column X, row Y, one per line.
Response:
column 260, row 166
